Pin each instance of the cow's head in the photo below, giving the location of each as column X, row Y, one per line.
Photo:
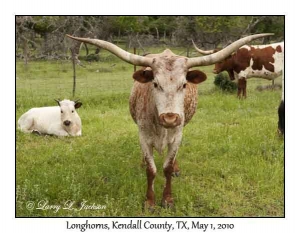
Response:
column 169, row 74
column 224, row 65
column 68, row 112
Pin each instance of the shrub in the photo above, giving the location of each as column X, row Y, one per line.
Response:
column 223, row 82
column 90, row 57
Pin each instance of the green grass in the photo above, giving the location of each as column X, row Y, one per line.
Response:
column 231, row 159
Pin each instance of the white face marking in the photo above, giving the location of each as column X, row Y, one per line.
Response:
column 168, row 84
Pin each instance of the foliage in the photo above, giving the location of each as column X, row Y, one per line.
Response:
column 274, row 24
column 44, row 36
column 223, row 82
column 213, row 24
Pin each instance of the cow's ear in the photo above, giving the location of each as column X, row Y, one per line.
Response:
column 77, row 104
column 143, row 76
column 57, row 101
column 195, row 76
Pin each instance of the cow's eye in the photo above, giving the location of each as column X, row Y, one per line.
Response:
column 61, row 111
column 155, row 85
column 72, row 111
column 184, row 85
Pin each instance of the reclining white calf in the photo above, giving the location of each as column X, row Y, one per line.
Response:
column 61, row 120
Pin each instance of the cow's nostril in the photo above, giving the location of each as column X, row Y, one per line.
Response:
column 170, row 118
column 67, row 123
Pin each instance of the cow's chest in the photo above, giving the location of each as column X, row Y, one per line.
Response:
column 159, row 137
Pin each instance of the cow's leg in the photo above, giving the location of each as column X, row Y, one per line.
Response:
column 239, row 88
column 60, row 133
column 245, row 88
column 176, row 169
column 242, row 87
column 26, row 123
column 167, row 200
column 151, row 172
column 36, row 132
column 147, row 150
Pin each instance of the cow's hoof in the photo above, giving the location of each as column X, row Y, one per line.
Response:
column 35, row 132
column 167, row 203
column 176, row 174
column 149, row 206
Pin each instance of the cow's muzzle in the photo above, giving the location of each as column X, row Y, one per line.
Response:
column 67, row 123
column 169, row 120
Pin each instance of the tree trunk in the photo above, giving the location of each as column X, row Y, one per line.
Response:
column 129, row 42
column 157, row 33
column 74, row 71
column 188, row 50
column 134, row 52
column 140, row 45
column 86, row 49
column 25, row 51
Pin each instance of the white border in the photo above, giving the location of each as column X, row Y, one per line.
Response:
column 156, row 7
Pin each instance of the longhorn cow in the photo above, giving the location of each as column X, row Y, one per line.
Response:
column 162, row 101
column 262, row 61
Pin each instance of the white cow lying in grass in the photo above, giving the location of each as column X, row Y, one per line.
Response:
column 61, row 120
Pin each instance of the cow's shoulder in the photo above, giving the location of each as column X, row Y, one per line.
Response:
column 190, row 101
column 140, row 100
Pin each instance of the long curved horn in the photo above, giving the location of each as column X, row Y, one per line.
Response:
column 124, row 55
column 221, row 55
column 204, row 52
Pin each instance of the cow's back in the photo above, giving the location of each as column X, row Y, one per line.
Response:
column 44, row 118
column 265, row 61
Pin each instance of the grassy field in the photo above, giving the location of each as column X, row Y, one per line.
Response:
column 231, row 158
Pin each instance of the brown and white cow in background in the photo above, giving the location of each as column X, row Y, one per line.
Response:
column 261, row 61
column 163, row 100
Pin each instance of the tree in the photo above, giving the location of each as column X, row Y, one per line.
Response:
column 44, row 36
